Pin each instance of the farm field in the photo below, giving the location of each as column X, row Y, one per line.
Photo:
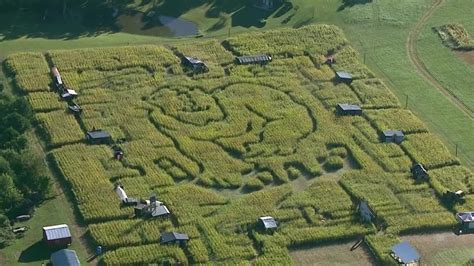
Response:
column 225, row 147
column 378, row 30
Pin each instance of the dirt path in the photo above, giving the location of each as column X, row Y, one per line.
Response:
column 420, row 66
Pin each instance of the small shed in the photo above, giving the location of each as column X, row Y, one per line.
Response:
column 68, row 94
column 348, row 109
column 159, row 211
column 267, row 223
column 65, row 257
column 56, row 77
column 465, row 222
column 405, row 254
column 195, row 64
column 366, row 213
column 395, row 136
column 253, row 59
column 74, row 108
column 419, row 172
column 57, row 235
column 174, row 238
column 343, row 76
column 454, row 196
column 98, row 137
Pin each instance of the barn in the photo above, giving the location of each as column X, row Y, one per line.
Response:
column 253, row 59
column 57, row 235
column 98, row 137
column 348, row 109
column 344, row 77
column 405, row 254
column 64, row 257
column 395, row 136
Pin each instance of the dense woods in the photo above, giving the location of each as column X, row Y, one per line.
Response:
column 23, row 181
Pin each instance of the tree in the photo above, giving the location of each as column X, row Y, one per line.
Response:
column 10, row 196
column 6, row 234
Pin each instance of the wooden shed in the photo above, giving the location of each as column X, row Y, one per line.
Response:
column 253, row 59
column 419, row 172
column 64, row 257
column 195, row 64
column 267, row 223
column 395, row 136
column 98, row 136
column 174, row 238
column 465, row 222
column 57, row 235
column 366, row 213
column 344, row 77
column 348, row 109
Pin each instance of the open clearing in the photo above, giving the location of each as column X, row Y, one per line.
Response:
column 466, row 56
column 443, row 248
column 327, row 254
column 221, row 148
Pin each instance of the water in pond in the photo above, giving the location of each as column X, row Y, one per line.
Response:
column 165, row 26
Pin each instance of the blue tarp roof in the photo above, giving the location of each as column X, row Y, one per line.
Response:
column 343, row 75
column 405, row 252
column 57, row 232
column 65, row 257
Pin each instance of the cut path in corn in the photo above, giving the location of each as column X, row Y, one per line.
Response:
column 423, row 70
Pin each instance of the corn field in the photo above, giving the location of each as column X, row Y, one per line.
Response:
column 225, row 147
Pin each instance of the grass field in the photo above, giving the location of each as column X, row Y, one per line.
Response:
column 443, row 248
column 189, row 137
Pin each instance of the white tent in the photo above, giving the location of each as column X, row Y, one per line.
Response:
column 121, row 193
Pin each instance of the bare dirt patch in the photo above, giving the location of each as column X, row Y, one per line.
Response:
column 429, row 245
column 338, row 254
column 467, row 56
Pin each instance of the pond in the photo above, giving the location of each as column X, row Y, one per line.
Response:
column 157, row 25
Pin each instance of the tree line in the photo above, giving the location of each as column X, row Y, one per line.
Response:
column 23, row 179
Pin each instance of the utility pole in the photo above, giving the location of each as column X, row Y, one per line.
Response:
column 406, row 101
column 228, row 33
column 456, row 150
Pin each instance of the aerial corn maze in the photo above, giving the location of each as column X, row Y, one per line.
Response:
column 226, row 146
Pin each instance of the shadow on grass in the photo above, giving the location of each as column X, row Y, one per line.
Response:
column 36, row 252
column 351, row 3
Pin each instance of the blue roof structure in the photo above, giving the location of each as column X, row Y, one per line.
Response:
column 57, row 232
column 405, row 253
column 65, row 257
column 343, row 75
